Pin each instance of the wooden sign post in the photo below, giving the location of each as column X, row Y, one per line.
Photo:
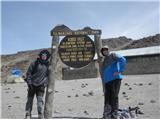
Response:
column 98, row 46
column 75, row 50
column 51, row 81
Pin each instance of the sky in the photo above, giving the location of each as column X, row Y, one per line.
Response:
column 27, row 25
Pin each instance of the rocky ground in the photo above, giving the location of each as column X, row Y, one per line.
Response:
column 84, row 98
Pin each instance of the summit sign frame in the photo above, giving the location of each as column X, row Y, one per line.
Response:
column 85, row 48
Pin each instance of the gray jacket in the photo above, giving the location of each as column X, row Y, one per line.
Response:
column 37, row 73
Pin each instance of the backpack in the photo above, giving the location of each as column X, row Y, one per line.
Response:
column 129, row 113
column 35, row 67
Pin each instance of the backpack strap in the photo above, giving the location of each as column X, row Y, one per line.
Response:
column 35, row 66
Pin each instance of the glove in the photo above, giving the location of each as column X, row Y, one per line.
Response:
column 29, row 83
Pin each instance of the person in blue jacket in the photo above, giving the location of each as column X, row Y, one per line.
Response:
column 112, row 68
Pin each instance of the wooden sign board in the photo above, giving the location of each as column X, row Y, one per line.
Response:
column 76, row 50
column 80, row 32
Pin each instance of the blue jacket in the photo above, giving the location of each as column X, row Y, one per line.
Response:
column 113, row 63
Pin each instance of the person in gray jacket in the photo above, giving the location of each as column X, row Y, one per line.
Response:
column 37, row 79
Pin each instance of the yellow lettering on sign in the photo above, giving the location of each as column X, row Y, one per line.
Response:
column 73, row 60
column 66, row 60
column 73, row 53
column 72, row 39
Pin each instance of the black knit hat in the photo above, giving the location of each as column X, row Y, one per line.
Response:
column 45, row 52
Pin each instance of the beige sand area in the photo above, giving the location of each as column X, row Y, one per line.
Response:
column 84, row 98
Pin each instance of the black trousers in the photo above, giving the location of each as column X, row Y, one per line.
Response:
column 111, row 94
column 39, row 91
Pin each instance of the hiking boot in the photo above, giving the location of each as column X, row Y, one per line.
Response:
column 40, row 116
column 114, row 115
column 106, row 116
column 107, row 112
column 28, row 115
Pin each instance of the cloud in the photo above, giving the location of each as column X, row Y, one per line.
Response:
column 144, row 25
column 140, row 20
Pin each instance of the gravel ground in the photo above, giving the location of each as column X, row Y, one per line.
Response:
column 84, row 98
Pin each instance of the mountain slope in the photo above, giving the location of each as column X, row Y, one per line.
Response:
column 22, row 59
